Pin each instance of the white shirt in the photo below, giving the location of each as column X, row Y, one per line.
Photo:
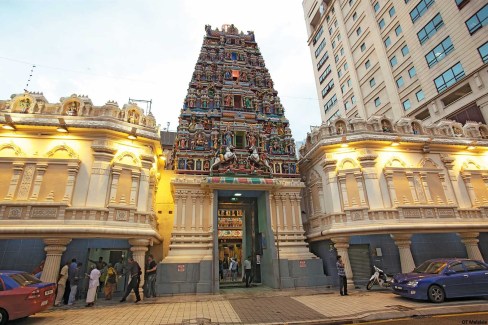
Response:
column 94, row 278
column 64, row 275
column 247, row 265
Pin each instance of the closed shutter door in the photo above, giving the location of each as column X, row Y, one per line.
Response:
column 360, row 263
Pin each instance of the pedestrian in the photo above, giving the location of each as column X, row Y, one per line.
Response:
column 135, row 273
column 121, row 280
column 247, row 271
column 110, row 282
column 221, row 270
column 93, row 284
column 150, row 284
column 63, row 276
column 225, row 266
column 74, row 280
column 342, row 276
column 233, row 269
column 103, row 275
column 100, row 263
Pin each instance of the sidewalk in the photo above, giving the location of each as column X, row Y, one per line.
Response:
column 257, row 305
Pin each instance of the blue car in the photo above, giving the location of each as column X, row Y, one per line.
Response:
column 442, row 278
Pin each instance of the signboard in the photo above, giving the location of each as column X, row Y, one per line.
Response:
column 181, row 267
column 303, row 263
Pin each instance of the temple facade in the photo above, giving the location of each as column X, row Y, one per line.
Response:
column 394, row 193
column 236, row 187
column 77, row 181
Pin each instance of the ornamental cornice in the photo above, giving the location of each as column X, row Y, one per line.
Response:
column 104, row 146
column 135, row 242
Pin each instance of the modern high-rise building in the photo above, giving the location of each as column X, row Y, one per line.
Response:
column 423, row 59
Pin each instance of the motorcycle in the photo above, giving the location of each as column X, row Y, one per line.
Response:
column 379, row 277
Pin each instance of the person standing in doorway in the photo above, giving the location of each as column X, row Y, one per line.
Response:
column 93, row 284
column 135, row 272
column 62, row 278
column 150, row 284
column 74, row 280
column 247, row 271
column 110, row 282
column 233, row 269
column 342, row 276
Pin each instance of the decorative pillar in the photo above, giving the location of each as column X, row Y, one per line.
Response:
column 329, row 167
column 183, row 224
column 138, row 249
column 283, row 207
column 411, row 184
column 99, row 187
column 406, row 259
column 193, row 210
column 469, row 186
column 341, row 244
column 470, row 240
column 359, row 181
column 200, row 220
column 54, row 249
column 17, row 167
column 391, row 187
column 342, row 182
column 447, row 192
column 177, row 198
column 115, row 183
column 294, row 202
column 136, row 175
column 70, row 184
column 425, row 185
column 371, row 183
column 278, row 223
column 40, row 171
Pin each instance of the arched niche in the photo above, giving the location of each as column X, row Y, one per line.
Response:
column 127, row 158
column 11, row 150
column 62, row 151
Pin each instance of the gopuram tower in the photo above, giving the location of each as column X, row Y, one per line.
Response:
column 236, row 188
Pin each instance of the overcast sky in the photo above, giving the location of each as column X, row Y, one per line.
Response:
column 116, row 50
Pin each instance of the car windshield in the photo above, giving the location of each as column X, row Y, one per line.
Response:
column 24, row 279
column 430, row 267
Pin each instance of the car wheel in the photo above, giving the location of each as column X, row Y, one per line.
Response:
column 436, row 294
column 369, row 285
column 3, row 316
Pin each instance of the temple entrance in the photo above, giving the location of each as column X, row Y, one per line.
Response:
column 238, row 237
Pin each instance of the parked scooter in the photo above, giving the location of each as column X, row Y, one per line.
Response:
column 379, row 277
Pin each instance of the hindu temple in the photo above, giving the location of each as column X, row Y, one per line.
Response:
column 236, row 188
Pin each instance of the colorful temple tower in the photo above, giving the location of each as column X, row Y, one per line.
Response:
column 236, row 187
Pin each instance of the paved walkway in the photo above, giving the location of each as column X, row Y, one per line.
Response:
column 255, row 305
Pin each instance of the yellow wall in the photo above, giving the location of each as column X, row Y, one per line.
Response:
column 164, row 211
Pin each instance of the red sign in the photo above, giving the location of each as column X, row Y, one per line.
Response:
column 181, row 267
column 303, row 264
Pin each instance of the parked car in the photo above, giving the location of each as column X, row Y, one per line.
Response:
column 442, row 278
column 22, row 295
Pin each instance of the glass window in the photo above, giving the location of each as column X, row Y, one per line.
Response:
column 483, row 50
column 346, row 66
column 354, row 16
column 320, row 48
column 330, row 31
column 387, row 41
column 400, row 82
column 439, row 52
column 343, row 88
column 351, row 2
column 330, row 103
column 325, row 74
column 338, row 37
column 405, row 50
column 347, row 105
column 342, row 51
column 472, row 266
column 333, row 44
column 420, row 95
column 449, row 77
column 353, row 99
column 328, row 18
column 430, row 29
column 377, row 102
column 335, row 23
column 420, row 9
column 349, row 83
column 336, row 58
column 317, row 36
column 412, row 72
column 339, row 73
column 393, row 61
column 398, row 30
column 328, row 88
column 391, row 11
column 382, row 23
column 322, row 60
column 478, row 20
column 363, row 47
column 372, row 82
column 457, row 267
column 367, row 64
column 376, row 7
column 358, row 31
column 406, row 104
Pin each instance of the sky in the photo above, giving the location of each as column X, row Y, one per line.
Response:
column 116, row 50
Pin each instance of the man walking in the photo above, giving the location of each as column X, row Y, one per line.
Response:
column 63, row 276
column 247, row 271
column 74, row 280
column 135, row 272
column 151, row 277
column 342, row 276
column 93, row 284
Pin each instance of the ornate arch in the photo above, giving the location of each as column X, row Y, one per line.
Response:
column 348, row 163
column 396, row 162
column 471, row 165
column 128, row 158
column 63, row 147
column 428, row 163
column 314, row 176
column 11, row 146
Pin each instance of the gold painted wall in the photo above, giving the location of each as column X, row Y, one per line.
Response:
column 164, row 212
column 479, row 188
column 54, row 181
column 435, row 187
column 5, row 176
column 352, row 190
column 402, row 188
column 125, row 183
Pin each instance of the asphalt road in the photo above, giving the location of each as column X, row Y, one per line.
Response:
column 480, row 318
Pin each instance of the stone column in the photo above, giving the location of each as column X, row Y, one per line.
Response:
column 371, row 183
column 14, row 181
column 331, row 182
column 283, row 206
column 469, row 186
column 40, row 171
column 136, row 175
column 411, row 184
column 341, row 244
column 138, row 249
column 470, row 240
column 200, row 220
column 70, row 184
column 406, row 259
column 115, row 183
column 359, row 181
column 342, row 182
column 54, row 249
column 391, row 188
column 177, row 199
column 193, row 210
column 425, row 185
column 447, row 192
